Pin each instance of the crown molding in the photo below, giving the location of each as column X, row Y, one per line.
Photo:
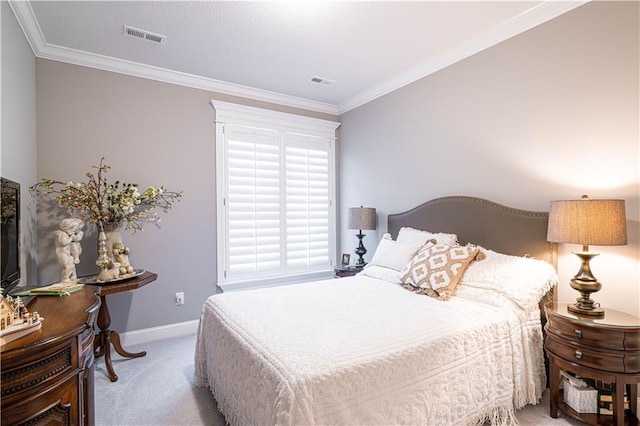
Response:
column 29, row 24
column 528, row 19
column 533, row 17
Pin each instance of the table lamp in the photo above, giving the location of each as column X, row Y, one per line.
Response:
column 587, row 222
column 361, row 218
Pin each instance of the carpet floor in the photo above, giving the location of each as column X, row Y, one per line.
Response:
column 159, row 390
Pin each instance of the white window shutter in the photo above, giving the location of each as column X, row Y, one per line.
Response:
column 307, row 204
column 253, row 203
column 276, row 183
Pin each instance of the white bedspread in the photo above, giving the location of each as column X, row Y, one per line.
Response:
column 363, row 351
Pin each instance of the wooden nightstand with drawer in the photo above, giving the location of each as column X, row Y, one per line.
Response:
column 345, row 271
column 605, row 349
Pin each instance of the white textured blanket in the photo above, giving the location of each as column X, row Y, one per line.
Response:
column 363, row 351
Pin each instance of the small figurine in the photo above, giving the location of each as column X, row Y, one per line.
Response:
column 112, row 272
column 68, row 247
column 121, row 255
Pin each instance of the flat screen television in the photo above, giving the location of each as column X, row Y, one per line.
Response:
column 10, row 230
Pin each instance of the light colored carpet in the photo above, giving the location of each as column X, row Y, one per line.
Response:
column 159, row 390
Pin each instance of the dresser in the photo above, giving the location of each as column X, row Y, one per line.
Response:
column 47, row 375
column 605, row 349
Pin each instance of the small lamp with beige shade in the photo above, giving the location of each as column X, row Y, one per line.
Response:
column 361, row 218
column 587, row 222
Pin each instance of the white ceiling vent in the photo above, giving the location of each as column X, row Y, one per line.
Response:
column 321, row 80
column 143, row 34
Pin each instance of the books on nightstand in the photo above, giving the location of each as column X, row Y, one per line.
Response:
column 605, row 397
column 605, row 403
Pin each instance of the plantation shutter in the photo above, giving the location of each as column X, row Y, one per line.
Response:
column 275, row 186
column 253, row 203
column 307, row 203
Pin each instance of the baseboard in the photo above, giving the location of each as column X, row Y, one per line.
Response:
column 152, row 334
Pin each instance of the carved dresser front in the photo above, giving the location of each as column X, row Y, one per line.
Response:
column 47, row 375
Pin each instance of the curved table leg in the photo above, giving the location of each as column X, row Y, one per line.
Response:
column 115, row 339
column 106, row 338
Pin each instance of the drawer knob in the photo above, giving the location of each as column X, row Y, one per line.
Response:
column 579, row 354
column 578, row 334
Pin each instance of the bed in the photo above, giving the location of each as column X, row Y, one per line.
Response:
column 365, row 350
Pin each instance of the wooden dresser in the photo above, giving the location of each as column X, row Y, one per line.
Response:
column 605, row 349
column 47, row 376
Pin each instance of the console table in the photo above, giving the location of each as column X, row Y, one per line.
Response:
column 106, row 337
column 47, row 375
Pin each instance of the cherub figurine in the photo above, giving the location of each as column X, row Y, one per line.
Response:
column 68, row 247
column 121, row 255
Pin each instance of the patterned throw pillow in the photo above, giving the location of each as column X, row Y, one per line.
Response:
column 436, row 269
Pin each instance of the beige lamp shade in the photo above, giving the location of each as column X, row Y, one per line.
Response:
column 362, row 218
column 588, row 222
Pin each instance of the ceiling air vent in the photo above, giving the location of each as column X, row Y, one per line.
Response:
column 142, row 34
column 321, row 80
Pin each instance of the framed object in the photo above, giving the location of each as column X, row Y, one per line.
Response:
column 346, row 258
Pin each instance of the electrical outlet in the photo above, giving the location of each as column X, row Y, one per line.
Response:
column 180, row 298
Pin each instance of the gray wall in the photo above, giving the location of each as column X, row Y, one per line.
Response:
column 549, row 114
column 18, row 135
column 151, row 133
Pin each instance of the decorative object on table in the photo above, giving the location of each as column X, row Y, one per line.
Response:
column 68, row 248
column 361, row 218
column 110, row 273
column 103, row 260
column 109, row 206
column 95, row 279
column 346, row 259
column 57, row 289
column 587, row 222
column 113, row 235
column 15, row 319
column 121, row 255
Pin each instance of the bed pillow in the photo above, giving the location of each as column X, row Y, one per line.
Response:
column 393, row 254
column 390, row 257
column 437, row 269
column 412, row 235
column 521, row 280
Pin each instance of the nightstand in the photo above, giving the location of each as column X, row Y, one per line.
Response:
column 345, row 271
column 605, row 349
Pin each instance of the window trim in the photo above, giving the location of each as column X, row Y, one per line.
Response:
column 241, row 115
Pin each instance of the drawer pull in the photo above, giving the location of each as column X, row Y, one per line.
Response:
column 578, row 334
column 579, row 354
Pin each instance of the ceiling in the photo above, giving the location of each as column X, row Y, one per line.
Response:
column 269, row 50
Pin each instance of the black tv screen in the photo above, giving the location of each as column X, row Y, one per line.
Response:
column 10, row 230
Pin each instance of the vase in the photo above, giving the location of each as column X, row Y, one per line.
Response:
column 113, row 234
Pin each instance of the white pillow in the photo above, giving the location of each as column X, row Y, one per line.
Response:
column 381, row 273
column 412, row 235
column 522, row 280
column 393, row 254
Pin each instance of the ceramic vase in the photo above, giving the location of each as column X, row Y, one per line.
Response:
column 113, row 234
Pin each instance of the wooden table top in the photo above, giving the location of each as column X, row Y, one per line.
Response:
column 64, row 316
column 130, row 284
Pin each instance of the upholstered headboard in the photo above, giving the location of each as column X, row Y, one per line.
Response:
column 482, row 222
column 488, row 224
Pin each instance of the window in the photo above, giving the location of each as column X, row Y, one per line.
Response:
column 275, row 192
